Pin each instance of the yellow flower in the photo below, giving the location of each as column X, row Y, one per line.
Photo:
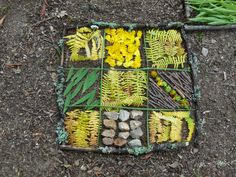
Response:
column 131, row 48
column 119, row 63
column 137, row 63
column 128, row 64
column 108, row 38
column 124, row 46
column 139, row 34
column 110, row 61
column 137, row 53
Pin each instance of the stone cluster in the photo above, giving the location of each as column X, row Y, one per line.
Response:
column 122, row 128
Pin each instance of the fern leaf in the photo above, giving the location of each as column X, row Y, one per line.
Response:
column 166, row 131
column 123, row 88
column 165, row 49
column 153, row 128
column 82, row 127
column 81, row 40
column 94, row 125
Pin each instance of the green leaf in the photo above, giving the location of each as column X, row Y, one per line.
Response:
column 67, row 102
column 79, row 71
column 79, row 74
column 76, row 91
column 90, row 80
column 70, row 74
column 86, row 97
column 90, row 100
column 93, row 105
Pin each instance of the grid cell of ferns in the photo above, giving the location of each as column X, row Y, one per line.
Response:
column 126, row 91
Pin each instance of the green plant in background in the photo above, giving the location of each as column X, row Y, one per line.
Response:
column 88, row 39
column 214, row 12
column 164, row 48
column 124, row 88
column 78, row 82
column 82, row 127
column 168, row 126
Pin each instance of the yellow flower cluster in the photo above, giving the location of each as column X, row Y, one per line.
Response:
column 123, row 48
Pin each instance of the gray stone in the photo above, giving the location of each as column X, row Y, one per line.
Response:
column 83, row 168
column 124, row 115
column 134, row 124
column 77, row 162
column 108, row 133
column 174, row 165
column 135, row 114
column 188, row 10
column 120, row 142
column 123, row 126
column 135, row 143
column 110, row 124
column 107, row 141
column 111, row 115
column 204, row 51
column 213, row 41
column 136, row 133
column 123, row 135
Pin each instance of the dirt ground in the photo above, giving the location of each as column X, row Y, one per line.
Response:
column 28, row 113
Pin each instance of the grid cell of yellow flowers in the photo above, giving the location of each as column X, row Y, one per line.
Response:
column 123, row 48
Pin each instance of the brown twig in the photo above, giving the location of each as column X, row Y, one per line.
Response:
column 12, row 65
column 39, row 22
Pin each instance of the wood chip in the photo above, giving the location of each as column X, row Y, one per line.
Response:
column 2, row 20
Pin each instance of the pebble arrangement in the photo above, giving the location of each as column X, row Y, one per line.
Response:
column 122, row 128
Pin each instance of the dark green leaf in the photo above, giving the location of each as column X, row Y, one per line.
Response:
column 90, row 100
column 86, row 97
column 76, row 91
column 93, row 105
column 70, row 74
column 67, row 102
column 81, row 76
column 90, row 80
column 78, row 75
column 79, row 71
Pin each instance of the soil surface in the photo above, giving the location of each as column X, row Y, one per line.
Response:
column 28, row 112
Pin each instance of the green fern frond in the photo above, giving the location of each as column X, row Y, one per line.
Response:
column 83, row 39
column 82, row 127
column 123, row 88
column 165, row 48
